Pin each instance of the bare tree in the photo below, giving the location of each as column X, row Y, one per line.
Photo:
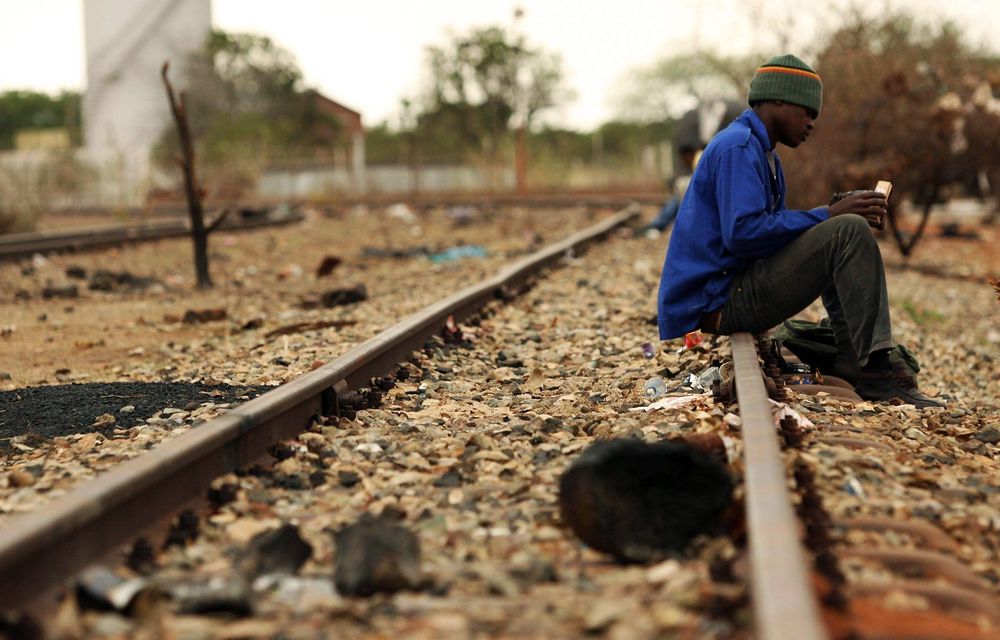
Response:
column 199, row 231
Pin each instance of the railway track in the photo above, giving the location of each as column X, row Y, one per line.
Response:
column 786, row 602
column 21, row 245
column 41, row 549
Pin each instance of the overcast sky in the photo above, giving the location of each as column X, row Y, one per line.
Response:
column 368, row 54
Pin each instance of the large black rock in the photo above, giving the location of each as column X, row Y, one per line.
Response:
column 376, row 555
column 640, row 501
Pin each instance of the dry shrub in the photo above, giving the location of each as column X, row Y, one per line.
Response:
column 19, row 198
column 33, row 183
column 907, row 104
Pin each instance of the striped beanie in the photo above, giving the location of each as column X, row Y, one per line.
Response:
column 788, row 79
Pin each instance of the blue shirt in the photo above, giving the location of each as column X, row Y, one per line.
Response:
column 733, row 213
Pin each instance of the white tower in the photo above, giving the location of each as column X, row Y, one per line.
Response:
column 125, row 107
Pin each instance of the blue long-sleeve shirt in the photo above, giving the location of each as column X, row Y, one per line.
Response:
column 732, row 214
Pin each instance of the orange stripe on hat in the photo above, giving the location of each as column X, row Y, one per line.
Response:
column 797, row 72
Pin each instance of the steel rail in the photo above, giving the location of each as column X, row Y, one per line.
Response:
column 784, row 602
column 610, row 198
column 41, row 548
column 20, row 245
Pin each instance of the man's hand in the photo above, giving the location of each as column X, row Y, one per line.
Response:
column 870, row 205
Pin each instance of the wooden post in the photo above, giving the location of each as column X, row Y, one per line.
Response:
column 521, row 160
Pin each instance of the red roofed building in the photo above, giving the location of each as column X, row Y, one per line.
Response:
column 348, row 139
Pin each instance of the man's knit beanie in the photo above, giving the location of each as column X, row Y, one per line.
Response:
column 788, row 79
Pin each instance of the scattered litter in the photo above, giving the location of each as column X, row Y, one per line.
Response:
column 853, row 487
column 375, row 252
column 104, row 280
column 655, row 387
column 692, row 340
column 291, row 271
column 401, row 211
column 76, row 272
column 704, row 380
column 68, row 291
column 673, row 402
column 327, row 266
column 340, row 297
column 648, row 351
column 457, row 253
column 781, row 410
column 216, row 595
column 197, row 316
column 100, row 588
column 368, row 448
column 462, row 215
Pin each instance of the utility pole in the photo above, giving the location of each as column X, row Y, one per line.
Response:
column 520, row 134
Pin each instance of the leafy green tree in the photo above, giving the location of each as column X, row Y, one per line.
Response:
column 29, row 188
column 670, row 86
column 33, row 110
column 483, row 85
column 384, row 145
column 622, row 139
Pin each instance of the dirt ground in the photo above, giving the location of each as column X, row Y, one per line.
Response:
column 264, row 280
column 470, row 448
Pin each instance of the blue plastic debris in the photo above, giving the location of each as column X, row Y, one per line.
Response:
column 456, row 253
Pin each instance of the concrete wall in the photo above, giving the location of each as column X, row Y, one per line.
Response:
column 38, row 180
column 313, row 181
column 125, row 107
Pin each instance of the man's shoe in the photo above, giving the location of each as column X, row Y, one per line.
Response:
column 893, row 387
column 845, row 368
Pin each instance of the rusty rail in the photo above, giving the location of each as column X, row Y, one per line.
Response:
column 784, row 602
column 21, row 245
column 42, row 548
column 564, row 198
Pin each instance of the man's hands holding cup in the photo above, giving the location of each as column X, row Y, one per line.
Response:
column 870, row 205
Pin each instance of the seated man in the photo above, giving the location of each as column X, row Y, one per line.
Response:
column 739, row 260
column 678, row 186
column 692, row 131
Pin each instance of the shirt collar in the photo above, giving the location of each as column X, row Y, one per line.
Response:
column 752, row 120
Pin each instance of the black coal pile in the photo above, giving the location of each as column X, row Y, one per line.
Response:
column 54, row 410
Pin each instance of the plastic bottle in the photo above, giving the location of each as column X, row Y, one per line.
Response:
column 709, row 376
column 655, row 388
column 648, row 351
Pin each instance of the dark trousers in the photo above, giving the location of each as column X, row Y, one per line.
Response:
column 838, row 260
